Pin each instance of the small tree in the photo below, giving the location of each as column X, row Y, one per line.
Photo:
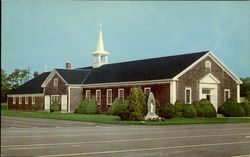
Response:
column 82, row 107
column 55, row 106
column 92, row 106
column 136, row 104
column 167, row 111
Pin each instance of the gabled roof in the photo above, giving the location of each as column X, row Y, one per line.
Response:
column 141, row 70
column 32, row 86
column 74, row 76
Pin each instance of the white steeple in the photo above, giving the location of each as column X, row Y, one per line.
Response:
column 100, row 55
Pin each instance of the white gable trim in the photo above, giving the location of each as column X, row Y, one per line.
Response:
column 209, row 79
column 217, row 61
column 51, row 75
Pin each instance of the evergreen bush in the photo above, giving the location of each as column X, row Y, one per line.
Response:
column 137, row 104
column 246, row 107
column 179, row 108
column 198, row 108
column 55, row 106
column 167, row 111
column 82, row 107
column 189, row 111
column 208, row 108
column 92, row 106
column 231, row 109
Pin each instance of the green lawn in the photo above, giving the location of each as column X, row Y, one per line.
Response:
column 101, row 118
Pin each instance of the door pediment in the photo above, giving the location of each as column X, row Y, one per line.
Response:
column 209, row 79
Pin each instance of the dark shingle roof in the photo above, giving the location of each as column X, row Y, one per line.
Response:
column 75, row 76
column 32, row 86
column 140, row 70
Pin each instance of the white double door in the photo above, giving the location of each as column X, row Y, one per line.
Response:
column 64, row 104
column 209, row 92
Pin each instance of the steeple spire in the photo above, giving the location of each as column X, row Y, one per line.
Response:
column 100, row 53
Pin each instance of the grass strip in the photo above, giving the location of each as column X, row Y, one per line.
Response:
column 101, row 118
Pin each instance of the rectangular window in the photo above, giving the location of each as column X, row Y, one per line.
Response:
column 226, row 94
column 55, row 98
column 55, row 81
column 121, row 94
column 33, row 100
column 20, row 100
column 14, row 100
column 147, row 90
column 26, row 100
column 188, row 96
column 88, row 95
column 109, row 96
column 98, row 97
column 205, row 91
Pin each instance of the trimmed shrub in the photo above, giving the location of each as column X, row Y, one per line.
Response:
column 198, row 108
column 82, row 107
column 55, row 106
column 189, row 111
column 246, row 107
column 179, row 108
column 4, row 107
column 208, row 108
column 231, row 109
column 92, row 106
column 137, row 104
column 167, row 111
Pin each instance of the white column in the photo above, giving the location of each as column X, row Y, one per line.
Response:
column 106, row 59
column 172, row 92
column 68, row 99
column 99, row 60
column 238, row 93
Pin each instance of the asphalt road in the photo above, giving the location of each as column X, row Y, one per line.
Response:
column 50, row 138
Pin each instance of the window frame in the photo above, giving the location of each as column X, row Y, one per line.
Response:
column 26, row 100
column 190, row 95
column 98, row 101
column 19, row 100
column 55, row 96
column 33, row 100
column 147, row 88
column 107, row 96
column 55, row 81
column 14, row 100
column 229, row 94
column 86, row 94
column 208, row 64
column 119, row 94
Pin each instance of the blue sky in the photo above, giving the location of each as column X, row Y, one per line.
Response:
column 40, row 33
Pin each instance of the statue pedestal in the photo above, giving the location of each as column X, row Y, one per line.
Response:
column 151, row 116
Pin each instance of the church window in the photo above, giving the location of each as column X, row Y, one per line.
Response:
column 109, row 96
column 98, row 97
column 121, row 94
column 55, row 81
column 188, row 95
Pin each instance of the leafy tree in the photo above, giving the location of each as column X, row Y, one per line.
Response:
column 35, row 74
column 245, row 88
column 5, row 85
column 17, row 78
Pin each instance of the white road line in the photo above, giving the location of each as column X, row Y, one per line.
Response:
column 16, row 125
column 242, row 155
column 147, row 149
column 47, row 124
column 247, row 136
column 125, row 140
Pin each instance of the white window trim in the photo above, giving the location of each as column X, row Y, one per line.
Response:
column 14, row 100
column 26, row 100
column 119, row 94
column 55, row 81
column 32, row 100
column 100, row 96
column 86, row 96
column 147, row 88
column 208, row 64
column 107, row 96
column 229, row 95
column 188, row 88
column 56, row 96
column 20, row 100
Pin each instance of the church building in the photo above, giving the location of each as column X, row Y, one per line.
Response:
column 187, row 77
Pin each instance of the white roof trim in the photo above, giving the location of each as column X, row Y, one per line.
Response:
column 217, row 61
column 215, row 80
column 31, row 94
column 51, row 75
